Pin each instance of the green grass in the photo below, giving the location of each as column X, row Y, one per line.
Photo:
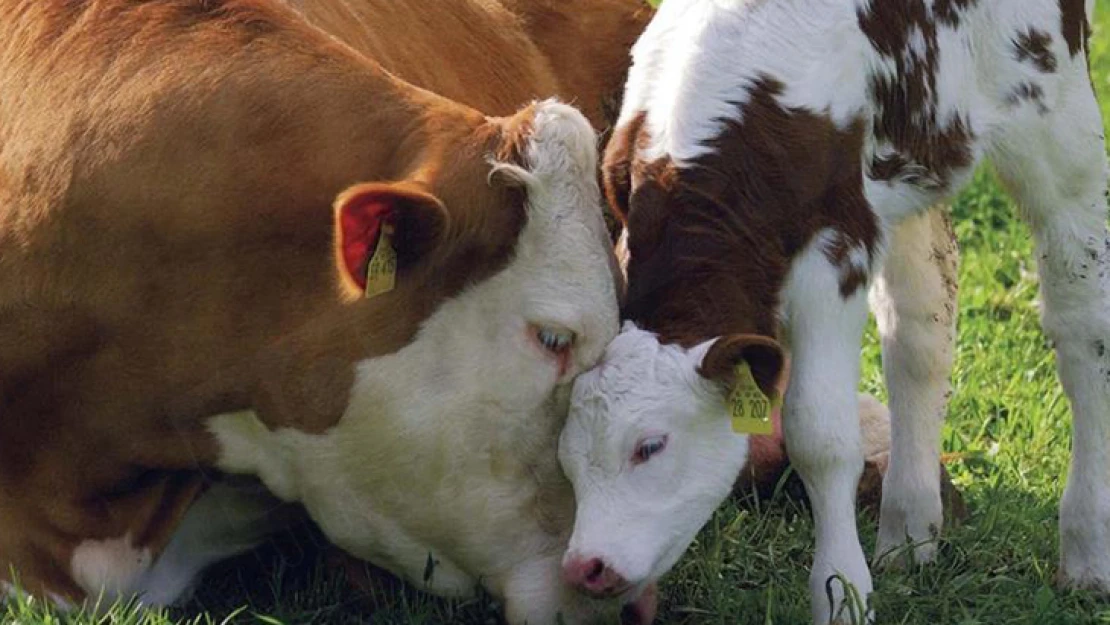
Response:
column 749, row 566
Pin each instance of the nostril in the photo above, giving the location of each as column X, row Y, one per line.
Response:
column 595, row 568
column 593, row 576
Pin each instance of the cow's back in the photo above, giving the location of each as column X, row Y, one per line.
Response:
column 507, row 51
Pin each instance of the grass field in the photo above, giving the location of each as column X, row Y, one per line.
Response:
column 749, row 566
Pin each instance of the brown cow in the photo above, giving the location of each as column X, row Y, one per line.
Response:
column 179, row 183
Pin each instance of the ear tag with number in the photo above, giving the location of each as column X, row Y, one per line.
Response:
column 749, row 407
column 381, row 271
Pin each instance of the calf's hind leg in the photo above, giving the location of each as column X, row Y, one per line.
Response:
column 914, row 300
column 1055, row 165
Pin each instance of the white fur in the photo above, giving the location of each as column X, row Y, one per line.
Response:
column 820, row 420
column 1055, row 166
column 916, row 316
column 447, row 447
column 109, row 569
column 639, row 518
column 693, row 68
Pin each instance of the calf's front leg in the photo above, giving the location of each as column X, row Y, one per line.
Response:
column 821, row 427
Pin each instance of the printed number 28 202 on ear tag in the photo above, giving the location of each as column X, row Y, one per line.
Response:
column 749, row 407
column 381, row 271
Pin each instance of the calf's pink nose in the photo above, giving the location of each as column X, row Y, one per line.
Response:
column 593, row 576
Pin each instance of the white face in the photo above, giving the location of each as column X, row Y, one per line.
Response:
column 561, row 281
column 650, row 451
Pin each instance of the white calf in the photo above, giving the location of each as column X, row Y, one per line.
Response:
column 769, row 158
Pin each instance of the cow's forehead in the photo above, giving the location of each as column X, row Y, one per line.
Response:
column 563, row 144
column 558, row 165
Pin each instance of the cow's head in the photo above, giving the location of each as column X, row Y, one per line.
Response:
column 503, row 259
column 506, row 223
column 650, row 450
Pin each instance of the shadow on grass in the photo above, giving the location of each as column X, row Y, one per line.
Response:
column 748, row 566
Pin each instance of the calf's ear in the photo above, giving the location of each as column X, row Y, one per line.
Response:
column 763, row 354
column 616, row 164
column 412, row 220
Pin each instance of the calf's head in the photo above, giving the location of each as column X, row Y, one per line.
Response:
column 650, row 450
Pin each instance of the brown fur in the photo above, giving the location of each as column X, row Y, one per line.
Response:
column 1074, row 25
column 518, row 50
column 948, row 12
column 906, row 115
column 167, row 171
column 726, row 229
column 1033, row 46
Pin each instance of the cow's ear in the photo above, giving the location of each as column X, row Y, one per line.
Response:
column 763, row 355
column 402, row 214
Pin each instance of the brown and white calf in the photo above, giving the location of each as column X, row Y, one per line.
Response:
column 190, row 193
column 773, row 160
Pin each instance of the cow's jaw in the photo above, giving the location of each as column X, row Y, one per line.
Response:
column 638, row 516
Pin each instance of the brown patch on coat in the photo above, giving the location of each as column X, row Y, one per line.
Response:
column 949, row 12
column 1034, row 46
column 853, row 275
column 924, row 152
column 1074, row 26
column 1028, row 92
column 763, row 355
column 617, row 163
column 710, row 244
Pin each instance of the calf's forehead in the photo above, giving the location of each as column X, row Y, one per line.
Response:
column 637, row 377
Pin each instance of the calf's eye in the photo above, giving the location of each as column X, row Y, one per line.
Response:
column 649, row 447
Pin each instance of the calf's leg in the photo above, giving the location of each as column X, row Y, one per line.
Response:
column 914, row 300
column 821, row 425
column 1054, row 163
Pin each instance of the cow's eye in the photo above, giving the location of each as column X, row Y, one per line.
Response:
column 555, row 341
column 648, row 447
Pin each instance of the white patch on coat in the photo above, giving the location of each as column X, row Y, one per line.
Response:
column 638, row 518
column 110, row 569
column 447, row 447
column 820, row 415
column 687, row 75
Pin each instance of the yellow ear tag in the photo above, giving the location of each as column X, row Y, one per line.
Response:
column 381, row 271
column 749, row 407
